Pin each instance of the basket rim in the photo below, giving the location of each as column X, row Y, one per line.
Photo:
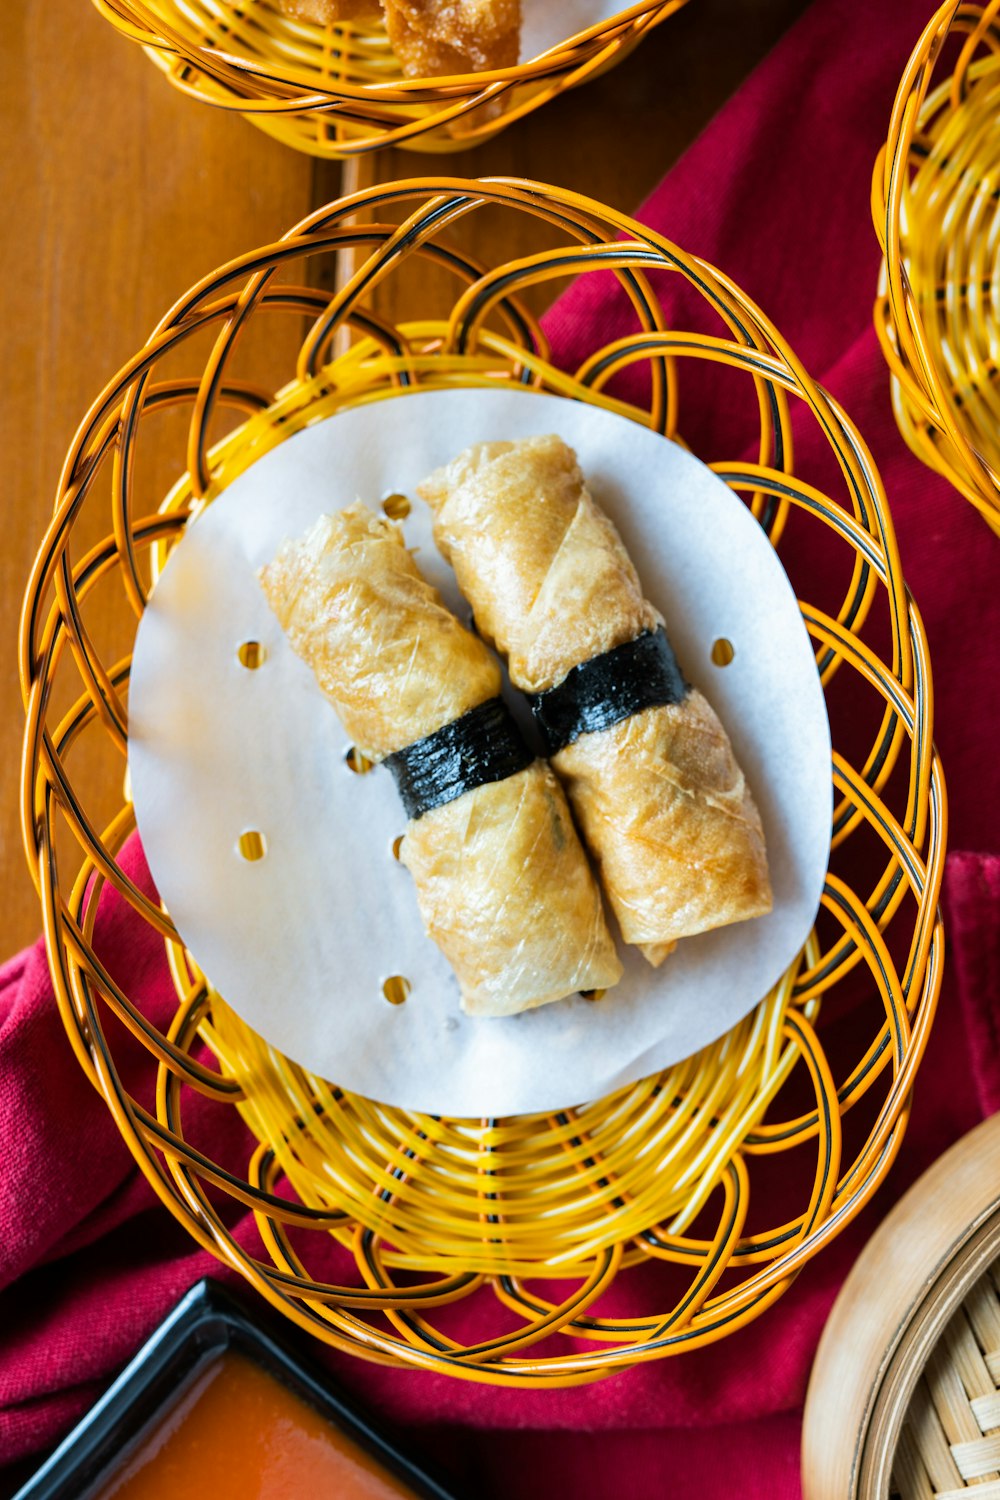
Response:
column 936, row 1260
column 561, row 57
column 900, row 325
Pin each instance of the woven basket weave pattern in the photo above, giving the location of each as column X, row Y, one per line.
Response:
column 936, row 205
column 337, row 91
column 950, row 1442
column 664, row 1170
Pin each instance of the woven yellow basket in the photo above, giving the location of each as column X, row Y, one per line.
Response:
column 936, row 206
column 435, row 1210
column 337, row 91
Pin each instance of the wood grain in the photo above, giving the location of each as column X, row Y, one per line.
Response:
column 612, row 139
column 120, row 193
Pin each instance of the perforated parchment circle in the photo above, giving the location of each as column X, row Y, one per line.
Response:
column 301, row 941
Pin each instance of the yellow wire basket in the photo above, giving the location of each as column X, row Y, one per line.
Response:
column 527, row 1222
column 936, row 206
column 337, row 90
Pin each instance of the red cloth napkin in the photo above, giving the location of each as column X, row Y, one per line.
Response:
column 775, row 192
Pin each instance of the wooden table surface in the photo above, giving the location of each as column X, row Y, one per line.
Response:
column 120, row 193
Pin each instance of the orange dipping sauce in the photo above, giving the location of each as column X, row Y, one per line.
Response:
column 238, row 1434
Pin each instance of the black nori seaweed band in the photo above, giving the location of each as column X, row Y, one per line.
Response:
column 598, row 693
column 484, row 745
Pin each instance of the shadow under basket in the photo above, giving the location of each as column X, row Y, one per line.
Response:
column 337, row 91
column 934, row 201
column 388, row 1233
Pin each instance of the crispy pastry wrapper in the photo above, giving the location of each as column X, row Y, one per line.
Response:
column 661, row 800
column 331, row 12
column 506, row 893
column 435, row 38
column 431, row 38
column 502, row 881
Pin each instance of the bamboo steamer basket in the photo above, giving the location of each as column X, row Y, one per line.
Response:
column 904, row 1399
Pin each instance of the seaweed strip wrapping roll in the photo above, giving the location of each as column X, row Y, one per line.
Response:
column 502, row 881
column 655, row 788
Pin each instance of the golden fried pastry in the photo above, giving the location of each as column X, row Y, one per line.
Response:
column 655, row 786
column 442, row 37
column 329, row 12
column 502, row 882
column 431, row 38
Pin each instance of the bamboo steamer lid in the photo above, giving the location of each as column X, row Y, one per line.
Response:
column 904, row 1398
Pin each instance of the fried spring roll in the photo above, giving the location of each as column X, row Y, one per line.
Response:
column 659, row 796
column 432, row 38
column 502, row 882
column 331, row 12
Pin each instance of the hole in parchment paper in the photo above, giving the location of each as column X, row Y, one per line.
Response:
column 252, row 845
column 397, row 845
column 396, row 988
column 396, row 507
column 593, row 995
column 252, row 655
column 357, row 762
column 722, row 652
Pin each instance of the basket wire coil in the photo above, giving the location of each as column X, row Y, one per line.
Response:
column 438, row 1210
column 337, row 91
column 935, row 198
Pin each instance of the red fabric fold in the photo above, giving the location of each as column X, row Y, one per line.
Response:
column 776, row 193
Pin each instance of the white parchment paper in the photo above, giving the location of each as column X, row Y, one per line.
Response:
column 300, row 941
column 549, row 23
